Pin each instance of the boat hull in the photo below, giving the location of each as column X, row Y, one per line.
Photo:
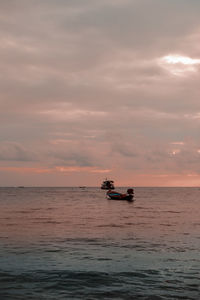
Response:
column 120, row 198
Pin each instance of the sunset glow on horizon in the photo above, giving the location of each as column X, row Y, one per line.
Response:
column 96, row 89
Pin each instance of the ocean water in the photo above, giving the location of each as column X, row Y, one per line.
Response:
column 73, row 243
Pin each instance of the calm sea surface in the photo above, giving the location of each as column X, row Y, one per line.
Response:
column 73, row 243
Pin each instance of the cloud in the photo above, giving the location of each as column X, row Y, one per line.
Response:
column 100, row 85
column 11, row 151
column 59, row 169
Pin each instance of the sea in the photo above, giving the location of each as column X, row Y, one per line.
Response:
column 73, row 243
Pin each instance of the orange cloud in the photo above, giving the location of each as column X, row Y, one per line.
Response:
column 82, row 169
column 53, row 170
column 25, row 170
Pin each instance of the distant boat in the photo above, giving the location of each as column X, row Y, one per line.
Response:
column 118, row 196
column 107, row 185
column 21, row 187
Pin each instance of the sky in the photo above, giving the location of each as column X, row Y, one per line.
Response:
column 95, row 89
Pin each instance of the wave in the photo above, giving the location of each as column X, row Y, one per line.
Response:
column 64, row 284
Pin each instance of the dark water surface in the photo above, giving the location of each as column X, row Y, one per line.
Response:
column 73, row 243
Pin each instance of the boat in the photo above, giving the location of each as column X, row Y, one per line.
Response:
column 107, row 185
column 112, row 195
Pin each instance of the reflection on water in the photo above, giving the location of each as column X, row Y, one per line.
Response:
column 72, row 243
